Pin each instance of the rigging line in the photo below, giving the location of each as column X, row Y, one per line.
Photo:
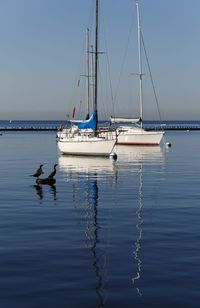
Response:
column 103, row 108
column 108, row 64
column 82, row 63
column 73, row 98
column 123, row 61
column 91, row 16
column 73, row 95
column 151, row 77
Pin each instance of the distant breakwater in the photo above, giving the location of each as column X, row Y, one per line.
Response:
column 149, row 128
column 28, row 128
column 173, row 127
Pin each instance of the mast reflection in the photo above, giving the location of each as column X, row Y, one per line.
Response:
column 141, row 156
column 92, row 237
column 137, row 244
column 86, row 174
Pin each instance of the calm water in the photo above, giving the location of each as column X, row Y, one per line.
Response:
column 108, row 234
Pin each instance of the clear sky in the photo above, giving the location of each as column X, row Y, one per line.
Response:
column 42, row 54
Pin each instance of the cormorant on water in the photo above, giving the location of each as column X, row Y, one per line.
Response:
column 51, row 175
column 38, row 172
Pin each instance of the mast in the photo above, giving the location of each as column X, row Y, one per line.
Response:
column 139, row 61
column 96, row 60
column 88, row 73
column 92, row 74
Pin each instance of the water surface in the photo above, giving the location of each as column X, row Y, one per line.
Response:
column 108, row 234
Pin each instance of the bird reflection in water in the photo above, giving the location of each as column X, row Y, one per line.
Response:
column 137, row 244
column 40, row 192
column 53, row 191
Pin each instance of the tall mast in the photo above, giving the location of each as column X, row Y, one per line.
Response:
column 88, row 73
column 139, row 60
column 96, row 60
column 92, row 74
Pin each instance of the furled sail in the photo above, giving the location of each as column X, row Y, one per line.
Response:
column 125, row 120
column 90, row 123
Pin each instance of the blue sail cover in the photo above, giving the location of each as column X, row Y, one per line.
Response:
column 90, row 123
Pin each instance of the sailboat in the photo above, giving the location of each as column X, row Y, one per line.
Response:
column 78, row 141
column 135, row 134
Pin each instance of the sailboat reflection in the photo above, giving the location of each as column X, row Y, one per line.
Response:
column 136, row 154
column 88, row 171
column 86, row 164
column 136, row 157
column 140, row 157
column 99, row 165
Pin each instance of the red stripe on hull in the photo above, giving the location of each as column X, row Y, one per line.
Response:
column 130, row 143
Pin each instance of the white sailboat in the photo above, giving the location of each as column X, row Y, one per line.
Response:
column 135, row 134
column 78, row 141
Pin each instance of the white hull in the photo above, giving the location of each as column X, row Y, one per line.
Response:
column 86, row 145
column 138, row 136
